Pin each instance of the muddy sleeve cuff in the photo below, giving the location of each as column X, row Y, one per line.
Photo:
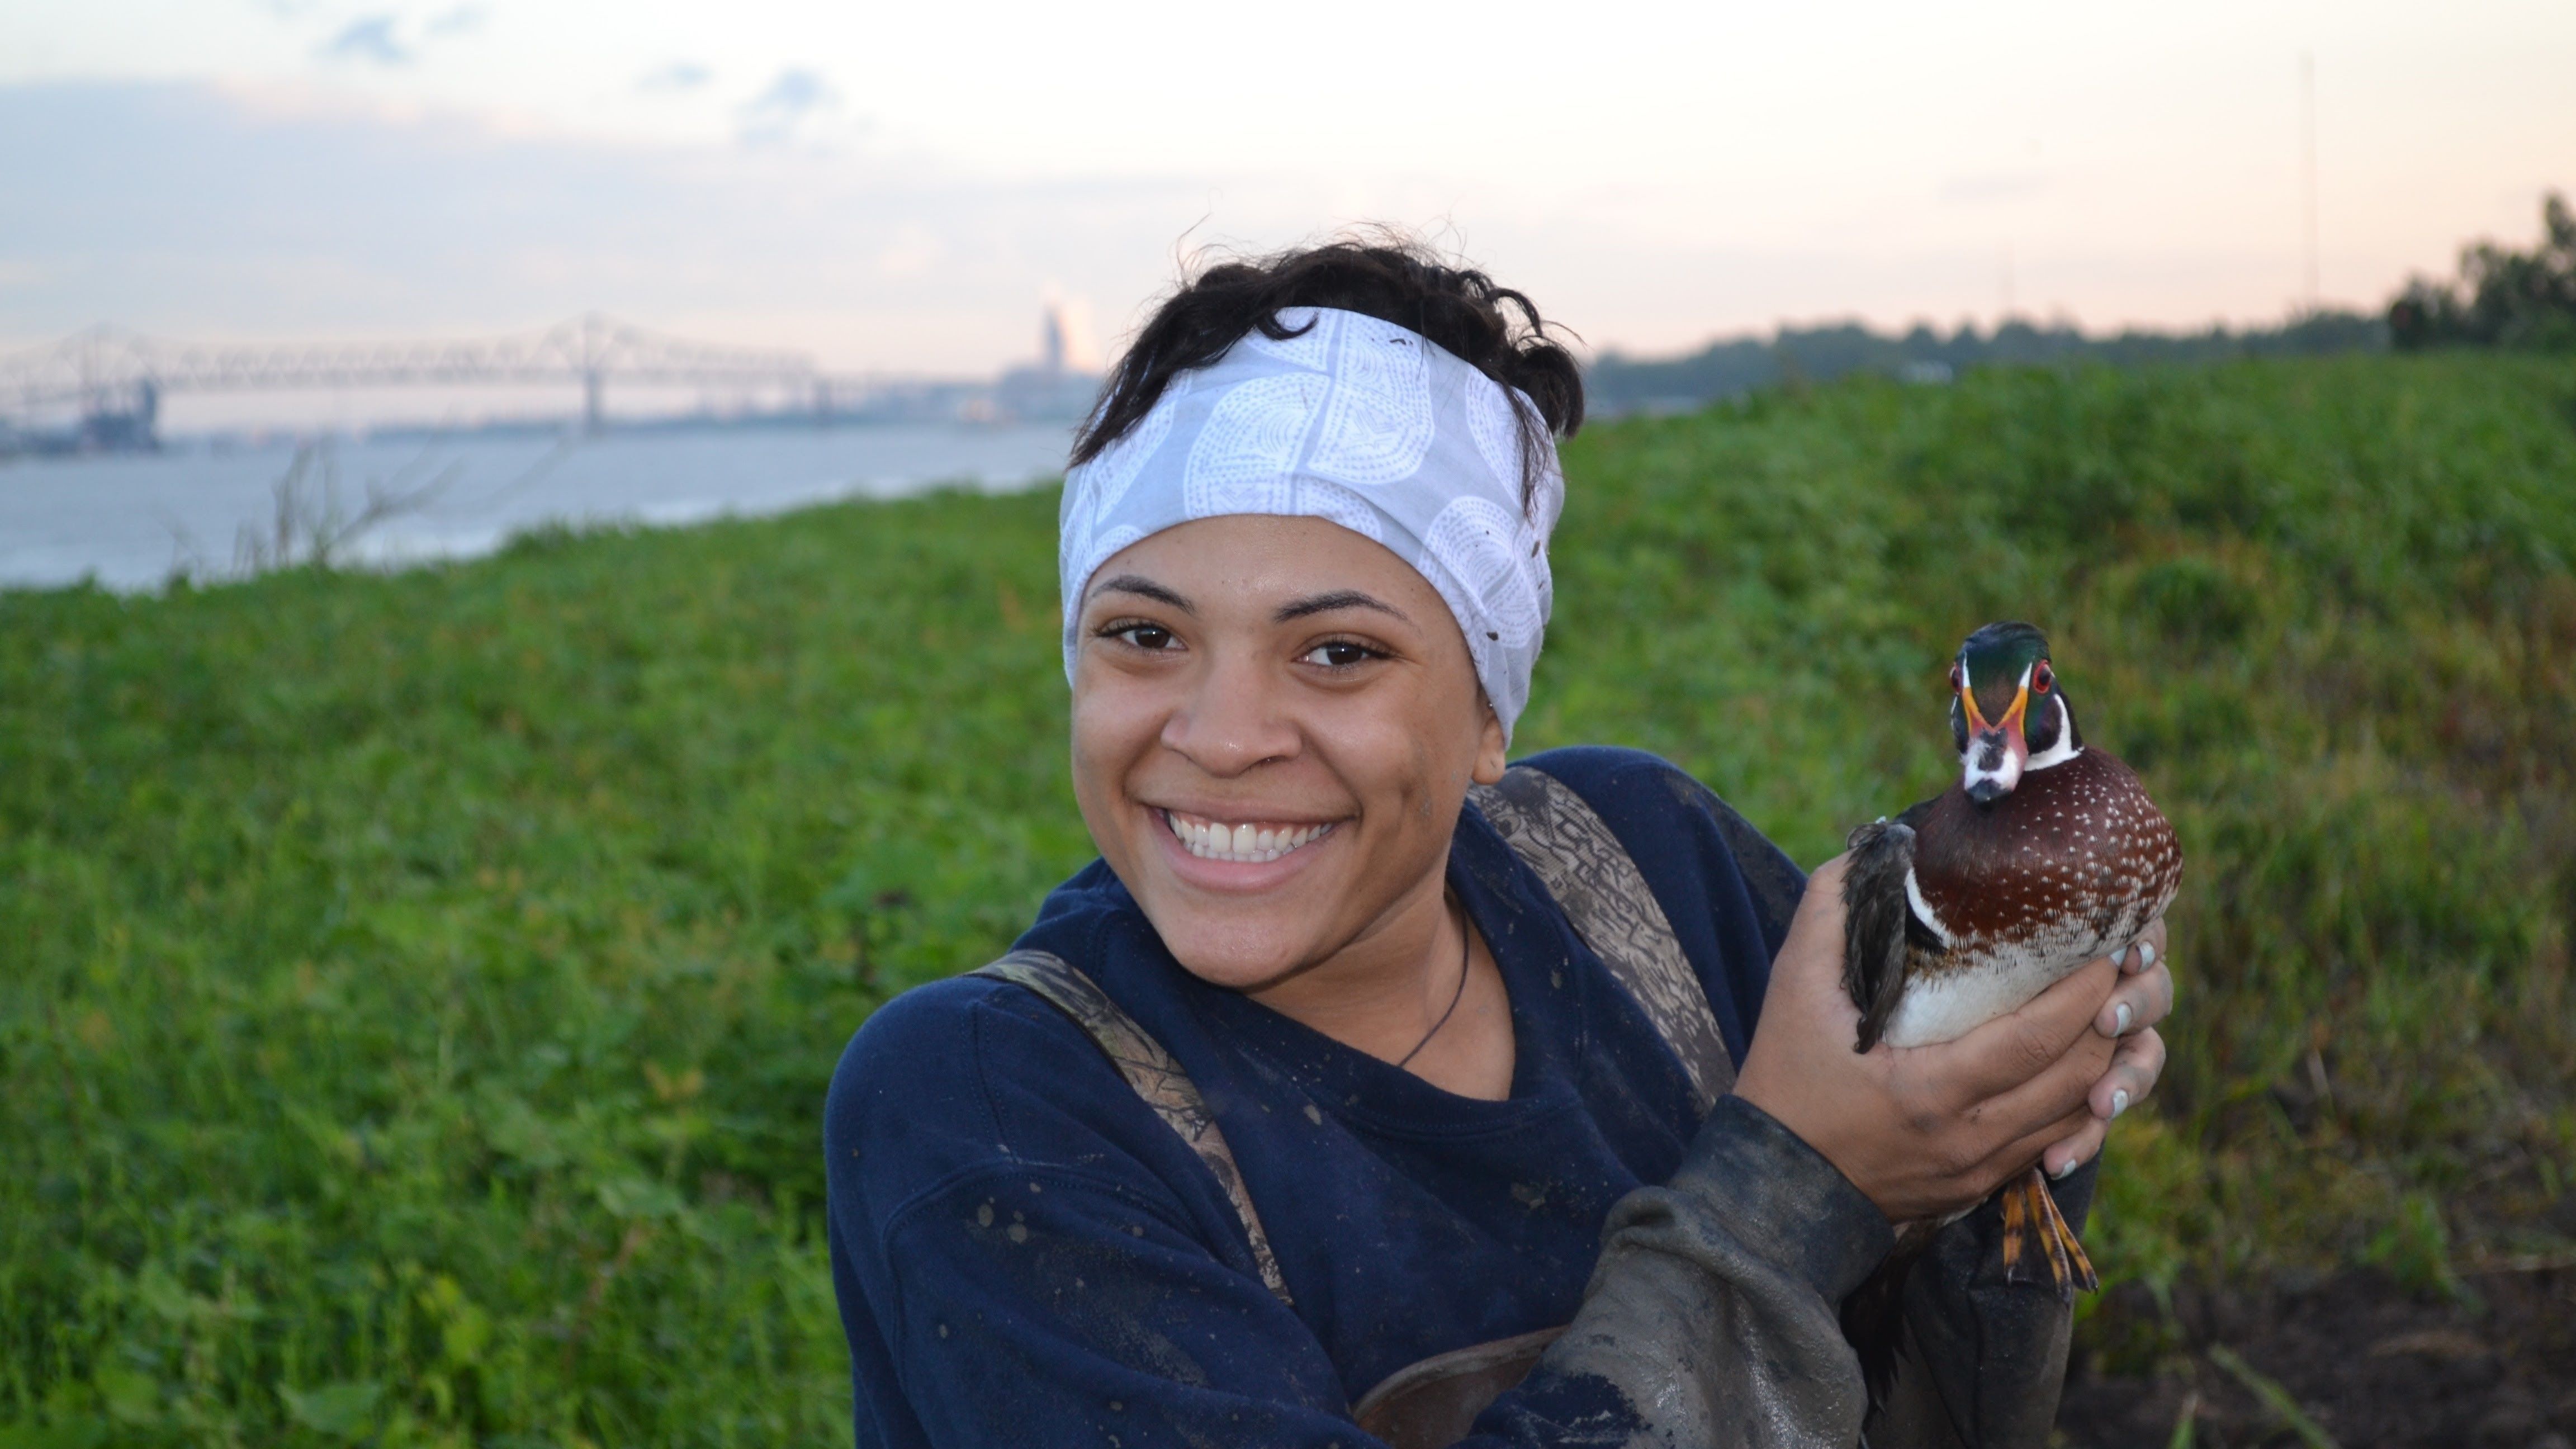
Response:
column 1781, row 1200
column 1713, row 1315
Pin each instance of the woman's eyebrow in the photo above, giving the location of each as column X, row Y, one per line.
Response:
column 1338, row 599
column 1144, row 587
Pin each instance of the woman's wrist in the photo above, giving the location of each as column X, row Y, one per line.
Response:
column 1808, row 1118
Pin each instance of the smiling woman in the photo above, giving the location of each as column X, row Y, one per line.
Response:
column 1312, row 693
column 1370, row 1088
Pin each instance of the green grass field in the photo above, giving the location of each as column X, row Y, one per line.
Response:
column 416, row 992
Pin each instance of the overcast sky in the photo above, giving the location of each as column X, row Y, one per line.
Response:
column 902, row 187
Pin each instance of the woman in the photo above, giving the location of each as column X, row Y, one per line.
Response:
column 1361, row 1062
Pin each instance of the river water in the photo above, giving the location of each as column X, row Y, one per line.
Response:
column 130, row 521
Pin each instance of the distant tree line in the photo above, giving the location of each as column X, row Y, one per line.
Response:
column 1617, row 383
column 2503, row 298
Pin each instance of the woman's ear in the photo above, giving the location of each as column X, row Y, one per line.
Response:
column 1490, row 746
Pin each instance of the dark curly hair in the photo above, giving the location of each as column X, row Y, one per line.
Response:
column 1393, row 279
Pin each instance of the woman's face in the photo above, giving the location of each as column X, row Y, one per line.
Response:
column 1275, row 721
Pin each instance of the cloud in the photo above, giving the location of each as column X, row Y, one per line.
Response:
column 196, row 212
column 232, row 211
column 463, row 20
column 679, row 75
column 369, row 38
column 792, row 97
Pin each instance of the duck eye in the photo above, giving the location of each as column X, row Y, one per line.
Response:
column 2041, row 678
column 1958, row 677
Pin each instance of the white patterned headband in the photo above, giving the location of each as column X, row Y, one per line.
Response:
column 1359, row 422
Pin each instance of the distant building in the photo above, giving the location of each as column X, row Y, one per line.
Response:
column 1051, row 341
column 1052, row 391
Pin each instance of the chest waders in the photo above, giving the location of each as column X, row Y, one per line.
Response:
column 1431, row 1404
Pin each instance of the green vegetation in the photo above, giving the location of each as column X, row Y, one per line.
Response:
column 1733, row 367
column 2504, row 298
column 418, row 990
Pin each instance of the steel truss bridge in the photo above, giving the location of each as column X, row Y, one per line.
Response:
column 117, row 379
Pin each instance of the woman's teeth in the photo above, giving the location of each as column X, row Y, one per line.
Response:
column 1216, row 840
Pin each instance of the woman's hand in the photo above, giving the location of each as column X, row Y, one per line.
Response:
column 2143, row 997
column 1926, row 1131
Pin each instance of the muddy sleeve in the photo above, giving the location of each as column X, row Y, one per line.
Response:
column 1712, row 1317
column 1983, row 1360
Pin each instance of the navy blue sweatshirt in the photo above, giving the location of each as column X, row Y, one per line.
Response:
column 1026, row 1254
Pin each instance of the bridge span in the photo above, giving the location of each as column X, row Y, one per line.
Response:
column 116, row 380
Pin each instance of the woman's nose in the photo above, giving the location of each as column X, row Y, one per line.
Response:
column 1232, row 719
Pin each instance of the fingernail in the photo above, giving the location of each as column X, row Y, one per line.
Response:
column 2120, row 1019
column 2119, row 1100
column 2146, row 953
column 2066, row 1169
column 2120, row 958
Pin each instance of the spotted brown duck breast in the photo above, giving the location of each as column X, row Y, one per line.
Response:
column 2045, row 855
column 2067, row 867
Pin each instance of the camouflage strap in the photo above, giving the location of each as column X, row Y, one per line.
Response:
column 1155, row 1075
column 1605, row 897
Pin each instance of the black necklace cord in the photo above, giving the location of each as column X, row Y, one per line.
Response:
column 1466, row 957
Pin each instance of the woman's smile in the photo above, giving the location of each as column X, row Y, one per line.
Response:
column 1244, row 841
column 1237, row 858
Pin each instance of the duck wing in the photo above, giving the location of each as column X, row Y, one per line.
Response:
column 1879, row 928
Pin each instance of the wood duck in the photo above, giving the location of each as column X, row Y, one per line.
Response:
column 2045, row 855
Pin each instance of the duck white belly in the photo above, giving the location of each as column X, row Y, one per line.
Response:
column 1952, row 1004
column 1946, row 996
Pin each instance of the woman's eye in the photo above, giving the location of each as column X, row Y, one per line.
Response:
column 1339, row 654
column 1144, row 636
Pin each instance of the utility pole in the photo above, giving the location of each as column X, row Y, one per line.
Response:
column 2308, row 175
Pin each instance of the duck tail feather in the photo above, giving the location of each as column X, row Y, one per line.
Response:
column 1873, row 1317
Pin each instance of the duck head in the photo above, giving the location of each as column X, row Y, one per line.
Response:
column 2008, row 713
